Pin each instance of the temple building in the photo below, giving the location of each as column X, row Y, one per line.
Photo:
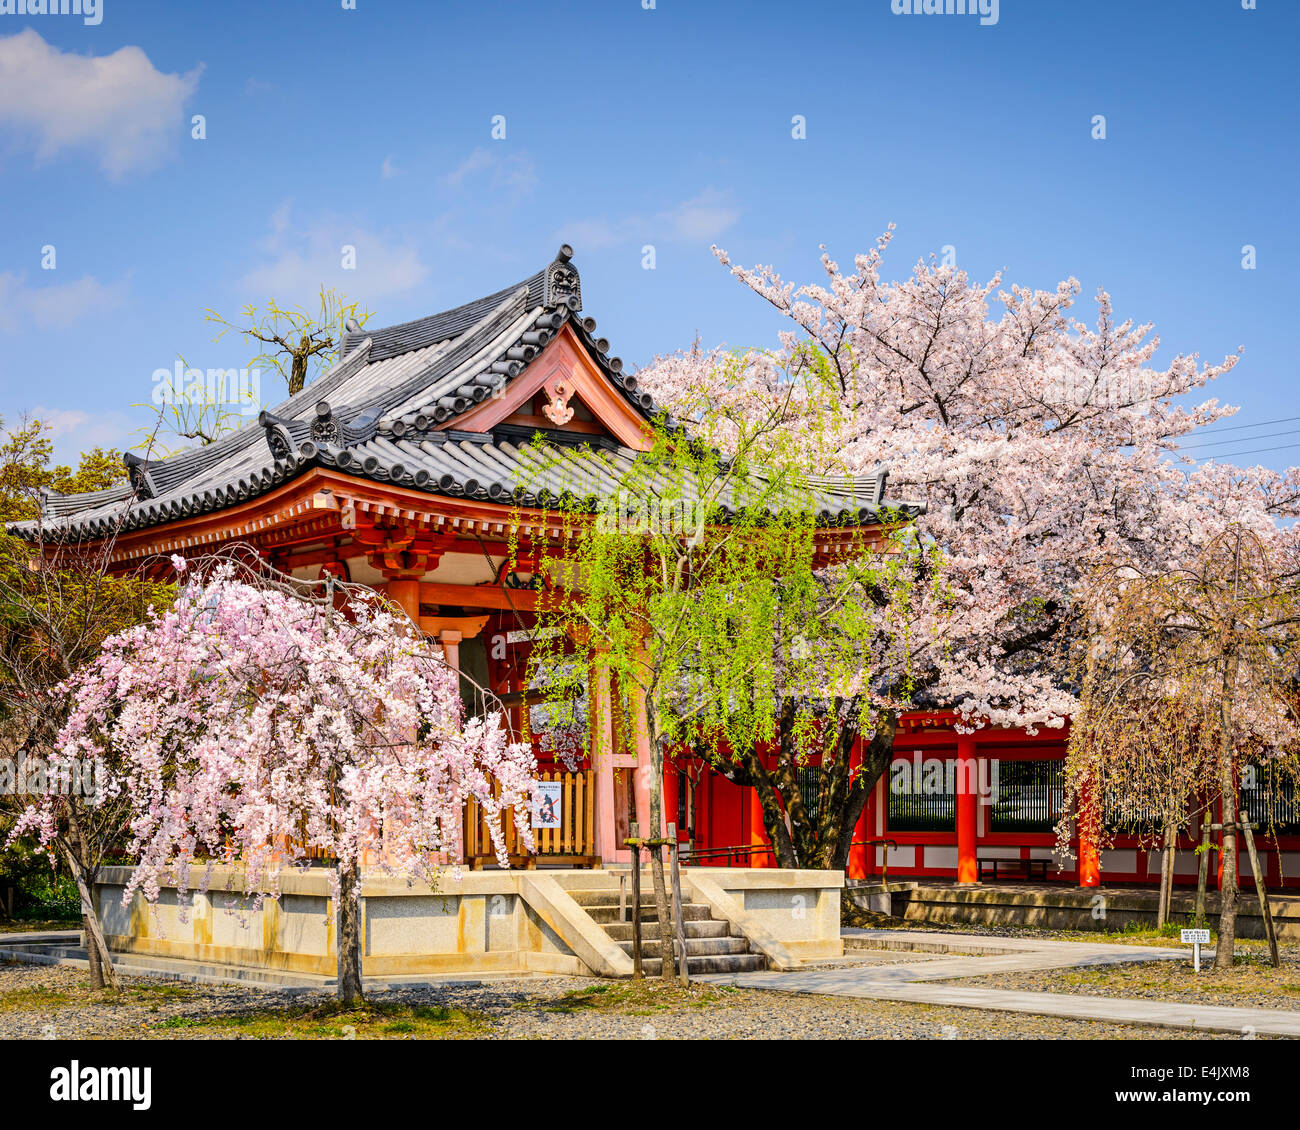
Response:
column 409, row 466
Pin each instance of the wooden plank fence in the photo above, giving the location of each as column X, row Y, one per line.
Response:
column 572, row 843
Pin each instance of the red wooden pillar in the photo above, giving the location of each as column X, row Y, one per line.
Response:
column 859, row 862
column 406, row 593
column 672, row 783
column 967, row 800
column 1089, row 859
column 755, row 829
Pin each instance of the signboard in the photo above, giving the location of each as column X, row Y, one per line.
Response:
column 546, row 804
column 1196, row 939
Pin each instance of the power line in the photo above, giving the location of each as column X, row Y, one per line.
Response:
column 1238, row 439
column 1248, row 451
column 1215, row 429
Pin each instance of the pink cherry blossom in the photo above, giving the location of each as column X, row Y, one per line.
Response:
column 247, row 723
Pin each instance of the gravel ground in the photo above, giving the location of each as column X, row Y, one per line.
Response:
column 53, row 1003
column 1247, row 985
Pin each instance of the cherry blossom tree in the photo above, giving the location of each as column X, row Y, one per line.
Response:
column 1040, row 444
column 1189, row 678
column 258, row 723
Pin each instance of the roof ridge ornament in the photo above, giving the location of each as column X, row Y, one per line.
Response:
column 563, row 286
column 137, row 470
column 325, row 428
column 278, row 436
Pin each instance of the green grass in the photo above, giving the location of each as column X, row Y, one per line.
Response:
column 47, row 998
column 18, row 927
column 331, row 1022
column 634, row 998
column 39, row 997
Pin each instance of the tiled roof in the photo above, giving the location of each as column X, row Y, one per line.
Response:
column 376, row 413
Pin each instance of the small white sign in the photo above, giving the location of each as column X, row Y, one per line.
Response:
column 1196, row 937
column 546, row 804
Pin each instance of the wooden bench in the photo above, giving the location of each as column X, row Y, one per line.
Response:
column 1023, row 867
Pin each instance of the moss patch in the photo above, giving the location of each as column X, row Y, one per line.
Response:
column 332, row 1022
column 635, row 998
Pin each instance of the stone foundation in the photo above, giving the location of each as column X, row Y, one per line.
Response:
column 477, row 922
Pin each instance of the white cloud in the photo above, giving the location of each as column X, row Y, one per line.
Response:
column 118, row 107
column 297, row 260
column 73, row 431
column 512, row 172
column 389, row 169
column 701, row 218
column 57, row 305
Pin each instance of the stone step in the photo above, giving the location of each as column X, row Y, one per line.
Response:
column 607, row 914
column 609, row 896
column 701, row 928
column 723, row 963
column 695, row 947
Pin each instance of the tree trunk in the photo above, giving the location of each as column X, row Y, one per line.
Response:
column 769, row 803
column 668, row 970
column 102, row 973
column 93, row 958
column 1166, row 877
column 1228, row 893
column 843, row 803
column 1203, row 866
column 350, row 992
column 875, row 760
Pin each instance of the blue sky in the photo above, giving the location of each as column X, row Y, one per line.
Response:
column 626, row 126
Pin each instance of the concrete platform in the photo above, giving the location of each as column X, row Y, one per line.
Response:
column 470, row 923
column 69, row 953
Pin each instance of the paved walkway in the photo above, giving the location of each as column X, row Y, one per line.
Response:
column 953, row 959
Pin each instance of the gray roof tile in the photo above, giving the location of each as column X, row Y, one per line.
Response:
column 374, row 414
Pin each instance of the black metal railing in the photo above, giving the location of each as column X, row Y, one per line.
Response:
column 914, row 811
column 1272, row 804
column 1029, row 796
column 693, row 856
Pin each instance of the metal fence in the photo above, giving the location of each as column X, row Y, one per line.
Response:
column 913, row 811
column 1029, row 797
column 1272, row 803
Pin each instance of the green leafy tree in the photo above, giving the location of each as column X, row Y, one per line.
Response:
column 26, row 455
column 292, row 341
column 712, row 592
column 58, row 603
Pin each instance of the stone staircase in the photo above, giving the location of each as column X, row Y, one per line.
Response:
column 711, row 947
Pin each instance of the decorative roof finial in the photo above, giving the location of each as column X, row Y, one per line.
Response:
column 137, row 470
column 563, row 287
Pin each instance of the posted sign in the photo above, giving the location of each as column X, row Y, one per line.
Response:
column 1196, row 939
column 546, row 805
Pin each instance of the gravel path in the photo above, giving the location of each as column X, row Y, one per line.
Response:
column 52, row 1003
